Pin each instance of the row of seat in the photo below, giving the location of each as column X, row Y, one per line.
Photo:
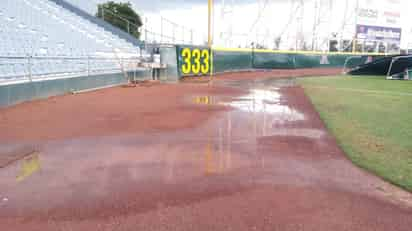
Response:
column 23, row 69
column 41, row 28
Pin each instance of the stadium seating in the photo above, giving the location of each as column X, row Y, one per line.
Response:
column 42, row 29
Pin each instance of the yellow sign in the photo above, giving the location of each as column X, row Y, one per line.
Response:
column 195, row 61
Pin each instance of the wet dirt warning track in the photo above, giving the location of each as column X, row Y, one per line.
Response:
column 240, row 155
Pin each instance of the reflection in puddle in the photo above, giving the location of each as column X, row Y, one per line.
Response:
column 209, row 165
column 219, row 161
column 29, row 166
column 204, row 100
column 267, row 102
column 308, row 133
column 262, row 101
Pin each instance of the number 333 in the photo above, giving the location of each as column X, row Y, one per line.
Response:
column 195, row 61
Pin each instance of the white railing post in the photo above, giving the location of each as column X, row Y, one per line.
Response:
column 135, row 69
column 30, row 68
column 161, row 29
column 88, row 65
column 145, row 30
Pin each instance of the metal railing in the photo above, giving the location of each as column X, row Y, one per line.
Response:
column 129, row 25
column 16, row 69
column 166, row 32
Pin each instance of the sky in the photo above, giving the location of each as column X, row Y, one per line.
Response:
column 249, row 20
column 271, row 22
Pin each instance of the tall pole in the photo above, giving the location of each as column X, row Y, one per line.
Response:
column 314, row 25
column 209, row 23
column 354, row 42
column 209, row 37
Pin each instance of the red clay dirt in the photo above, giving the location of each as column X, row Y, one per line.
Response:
column 276, row 73
column 122, row 110
column 107, row 112
column 251, row 155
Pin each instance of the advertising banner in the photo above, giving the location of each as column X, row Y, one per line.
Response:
column 378, row 33
column 384, row 13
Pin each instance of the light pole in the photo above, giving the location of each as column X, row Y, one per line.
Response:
column 209, row 24
column 209, row 37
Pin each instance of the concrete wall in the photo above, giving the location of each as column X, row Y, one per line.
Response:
column 21, row 92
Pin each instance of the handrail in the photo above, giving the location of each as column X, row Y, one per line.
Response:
column 66, row 57
column 128, row 21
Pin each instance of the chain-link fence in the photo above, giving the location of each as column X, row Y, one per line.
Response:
column 156, row 29
column 161, row 30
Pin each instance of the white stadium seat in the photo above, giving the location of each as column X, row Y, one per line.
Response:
column 41, row 28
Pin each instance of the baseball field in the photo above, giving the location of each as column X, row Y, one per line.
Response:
column 249, row 151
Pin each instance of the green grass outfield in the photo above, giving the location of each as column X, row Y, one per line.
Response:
column 371, row 119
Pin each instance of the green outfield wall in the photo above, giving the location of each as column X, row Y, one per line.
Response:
column 229, row 60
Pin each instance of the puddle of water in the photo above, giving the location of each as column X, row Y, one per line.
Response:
column 90, row 169
column 266, row 102
column 308, row 133
column 261, row 101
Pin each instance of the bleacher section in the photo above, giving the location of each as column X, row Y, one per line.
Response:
column 58, row 40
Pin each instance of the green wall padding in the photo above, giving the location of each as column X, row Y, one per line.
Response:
column 272, row 61
column 231, row 61
column 243, row 60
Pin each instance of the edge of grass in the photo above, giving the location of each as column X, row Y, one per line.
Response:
column 353, row 155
